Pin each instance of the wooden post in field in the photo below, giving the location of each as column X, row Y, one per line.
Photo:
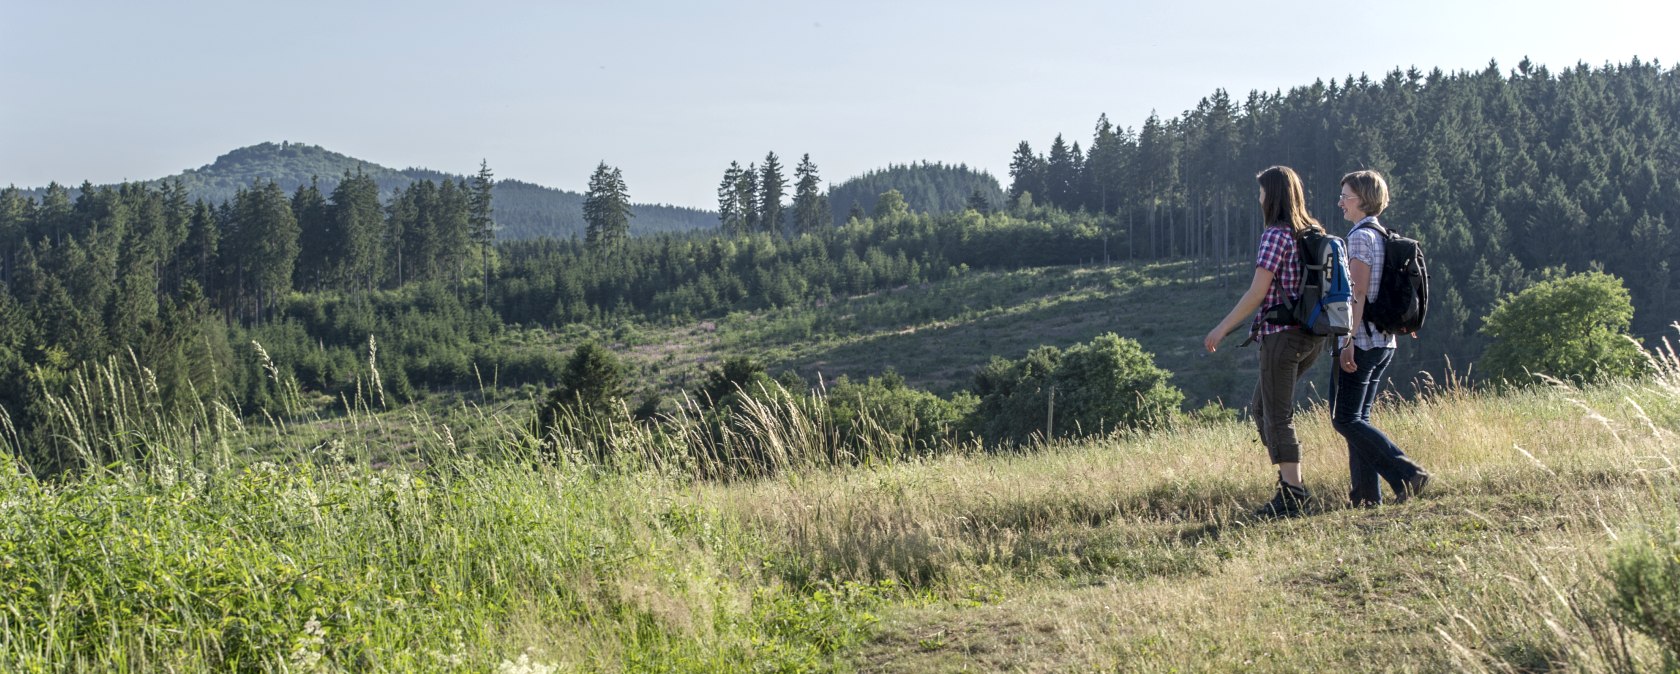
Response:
column 1050, row 416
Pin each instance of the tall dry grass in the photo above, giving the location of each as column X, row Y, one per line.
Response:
column 360, row 538
column 1140, row 553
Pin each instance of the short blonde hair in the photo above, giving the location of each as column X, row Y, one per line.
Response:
column 1371, row 189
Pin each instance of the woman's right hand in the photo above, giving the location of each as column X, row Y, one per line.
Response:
column 1211, row 341
column 1344, row 357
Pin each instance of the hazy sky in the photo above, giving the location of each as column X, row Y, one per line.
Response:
column 671, row 92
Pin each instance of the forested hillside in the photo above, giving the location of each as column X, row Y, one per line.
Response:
column 1502, row 176
column 524, row 210
column 927, row 187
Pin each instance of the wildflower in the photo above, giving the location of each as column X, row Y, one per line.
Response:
column 525, row 666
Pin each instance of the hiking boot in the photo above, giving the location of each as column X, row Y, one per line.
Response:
column 1411, row 486
column 1289, row 501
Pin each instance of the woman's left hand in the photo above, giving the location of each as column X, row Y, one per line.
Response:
column 1344, row 357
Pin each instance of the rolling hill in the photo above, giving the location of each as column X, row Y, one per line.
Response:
column 523, row 210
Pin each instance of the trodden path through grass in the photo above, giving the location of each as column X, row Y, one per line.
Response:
column 1139, row 554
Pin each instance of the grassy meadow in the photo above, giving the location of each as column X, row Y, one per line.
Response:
column 1131, row 553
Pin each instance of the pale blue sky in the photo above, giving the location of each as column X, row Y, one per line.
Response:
column 671, row 92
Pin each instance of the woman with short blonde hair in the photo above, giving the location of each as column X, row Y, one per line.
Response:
column 1362, row 357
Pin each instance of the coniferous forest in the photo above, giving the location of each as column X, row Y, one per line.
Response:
column 1507, row 177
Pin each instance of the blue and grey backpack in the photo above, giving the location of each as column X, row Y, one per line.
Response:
column 1324, row 307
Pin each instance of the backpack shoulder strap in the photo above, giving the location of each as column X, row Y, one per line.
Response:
column 1382, row 231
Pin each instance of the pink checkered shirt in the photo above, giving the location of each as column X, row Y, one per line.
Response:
column 1279, row 255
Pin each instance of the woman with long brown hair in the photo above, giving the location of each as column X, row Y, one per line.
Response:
column 1286, row 351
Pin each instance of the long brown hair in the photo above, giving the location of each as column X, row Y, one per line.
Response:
column 1284, row 201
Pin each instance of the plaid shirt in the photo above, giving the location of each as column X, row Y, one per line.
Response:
column 1366, row 245
column 1279, row 255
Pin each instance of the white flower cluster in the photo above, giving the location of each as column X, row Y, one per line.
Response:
column 306, row 653
column 525, row 665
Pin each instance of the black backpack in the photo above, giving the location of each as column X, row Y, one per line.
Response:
column 1403, row 295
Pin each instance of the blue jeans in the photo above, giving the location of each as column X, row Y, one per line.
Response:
column 1370, row 453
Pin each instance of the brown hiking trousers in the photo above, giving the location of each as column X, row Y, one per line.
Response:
column 1284, row 358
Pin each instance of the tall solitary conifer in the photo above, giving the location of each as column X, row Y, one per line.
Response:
column 770, row 188
column 606, row 208
column 810, row 205
column 481, row 227
column 732, row 217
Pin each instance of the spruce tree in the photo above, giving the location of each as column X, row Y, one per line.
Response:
column 732, row 217
column 454, row 229
column 358, row 227
column 771, row 185
column 398, row 214
column 1061, row 175
column 1103, row 166
column 268, row 244
column 198, row 254
column 810, row 205
column 606, row 208
column 1026, row 172
column 747, row 190
column 482, row 227
column 316, row 252
column 16, row 212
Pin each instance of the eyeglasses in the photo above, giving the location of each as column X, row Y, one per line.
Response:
column 1344, row 197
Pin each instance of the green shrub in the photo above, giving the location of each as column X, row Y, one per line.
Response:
column 1645, row 594
column 1574, row 328
column 872, row 410
column 1107, row 384
column 586, row 404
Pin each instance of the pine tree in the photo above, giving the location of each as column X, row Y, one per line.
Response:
column 732, row 217
column 747, row 190
column 1078, row 197
column 606, row 207
column 810, row 205
column 316, row 252
column 1103, row 166
column 16, row 213
column 482, row 227
column 454, row 229
column 1026, row 172
column 177, row 214
column 198, row 254
column 1061, row 176
column 771, row 185
column 268, row 243
column 399, row 216
column 414, row 214
column 358, row 225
